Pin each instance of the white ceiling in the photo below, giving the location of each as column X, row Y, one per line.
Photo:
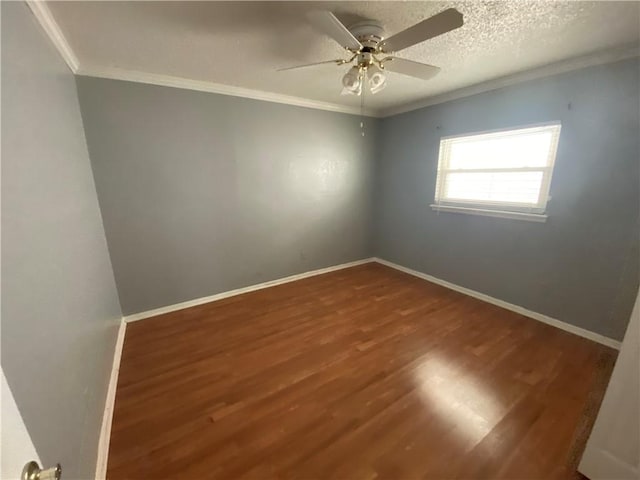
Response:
column 241, row 44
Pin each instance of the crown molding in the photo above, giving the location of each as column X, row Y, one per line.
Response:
column 52, row 29
column 204, row 86
column 598, row 58
column 45, row 18
column 42, row 13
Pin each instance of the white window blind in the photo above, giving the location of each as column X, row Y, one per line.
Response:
column 508, row 170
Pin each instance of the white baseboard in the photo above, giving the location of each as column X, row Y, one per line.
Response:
column 105, row 431
column 219, row 296
column 105, row 434
column 609, row 342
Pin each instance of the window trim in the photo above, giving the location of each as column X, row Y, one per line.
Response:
column 502, row 209
column 531, row 217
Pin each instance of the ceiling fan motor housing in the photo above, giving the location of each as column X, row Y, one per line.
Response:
column 368, row 32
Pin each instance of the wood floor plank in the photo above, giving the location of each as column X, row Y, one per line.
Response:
column 361, row 373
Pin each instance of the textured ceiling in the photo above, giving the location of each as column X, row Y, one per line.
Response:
column 243, row 43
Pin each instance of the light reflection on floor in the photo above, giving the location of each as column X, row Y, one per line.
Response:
column 466, row 405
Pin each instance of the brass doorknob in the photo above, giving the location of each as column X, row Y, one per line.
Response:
column 32, row 471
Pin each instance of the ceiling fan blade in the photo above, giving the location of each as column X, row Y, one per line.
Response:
column 410, row 68
column 330, row 25
column 443, row 22
column 337, row 62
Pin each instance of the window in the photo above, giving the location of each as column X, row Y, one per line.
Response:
column 501, row 173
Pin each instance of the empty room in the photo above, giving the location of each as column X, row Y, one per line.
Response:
column 320, row 240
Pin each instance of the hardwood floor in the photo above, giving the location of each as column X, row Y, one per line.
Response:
column 361, row 373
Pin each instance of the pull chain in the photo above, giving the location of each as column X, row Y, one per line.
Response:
column 362, row 90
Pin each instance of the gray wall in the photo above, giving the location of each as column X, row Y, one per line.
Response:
column 59, row 303
column 204, row 193
column 581, row 266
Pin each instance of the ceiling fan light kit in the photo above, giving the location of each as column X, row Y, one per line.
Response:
column 352, row 81
column 356, row 77
column 371, row 52
column 377, row 78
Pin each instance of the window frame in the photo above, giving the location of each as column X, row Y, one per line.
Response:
column 518, row 210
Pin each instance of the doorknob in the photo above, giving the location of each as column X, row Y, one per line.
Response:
column 32, row 471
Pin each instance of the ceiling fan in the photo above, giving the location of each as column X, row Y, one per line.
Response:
column 370, row 51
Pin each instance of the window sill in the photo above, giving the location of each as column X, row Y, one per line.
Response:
column 529, row 217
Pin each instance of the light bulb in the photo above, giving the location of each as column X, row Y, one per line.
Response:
column 352, row 82
column 377, row 78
